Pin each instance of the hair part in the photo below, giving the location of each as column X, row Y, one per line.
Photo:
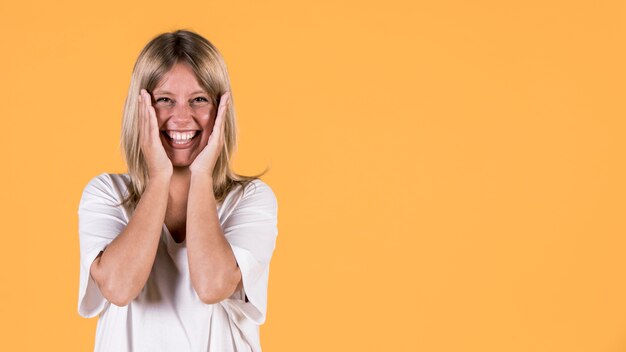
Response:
column 154, row 61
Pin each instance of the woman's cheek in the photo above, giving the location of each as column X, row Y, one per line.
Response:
column 208, row 120
column 204, row 112
column 160, row 114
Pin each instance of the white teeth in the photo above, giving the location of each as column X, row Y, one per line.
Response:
column 181, row 137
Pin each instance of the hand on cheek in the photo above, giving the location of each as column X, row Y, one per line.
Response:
column 205, row 161
column 157, row 160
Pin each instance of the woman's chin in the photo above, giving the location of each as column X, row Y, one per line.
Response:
column 181, row 163
column 181, row 159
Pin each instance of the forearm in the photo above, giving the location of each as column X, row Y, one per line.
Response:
column 212, row 264
column 122, row 270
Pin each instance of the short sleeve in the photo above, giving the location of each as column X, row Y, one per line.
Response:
column 251, row 229
column 100, row 220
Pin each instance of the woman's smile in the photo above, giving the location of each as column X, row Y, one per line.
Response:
column 181, row 139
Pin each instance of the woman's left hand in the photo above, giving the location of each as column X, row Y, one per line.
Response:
column 205, row 161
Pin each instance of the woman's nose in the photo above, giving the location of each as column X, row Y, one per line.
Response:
column 182, row 112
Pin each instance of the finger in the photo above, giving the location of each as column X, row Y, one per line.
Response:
column 146, row 111
column 147, row 126
column 221, row 111
column 154, row 123
column 144, row 118
column 141, row 123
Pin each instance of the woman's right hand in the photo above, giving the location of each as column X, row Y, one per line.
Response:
column 159, row 164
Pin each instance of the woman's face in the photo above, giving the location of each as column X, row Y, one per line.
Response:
column 185, row 114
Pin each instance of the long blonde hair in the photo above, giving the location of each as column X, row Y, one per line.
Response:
column 156, row 59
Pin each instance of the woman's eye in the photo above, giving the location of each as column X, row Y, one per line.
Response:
column 163, row 100
column 200, row 101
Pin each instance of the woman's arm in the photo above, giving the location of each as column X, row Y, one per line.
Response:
column 212, row 265
column 121, row 271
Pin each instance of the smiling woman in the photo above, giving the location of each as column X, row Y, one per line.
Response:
column 185, row 114
column 175, row 253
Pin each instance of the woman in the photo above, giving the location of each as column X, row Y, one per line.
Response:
column 175, row 254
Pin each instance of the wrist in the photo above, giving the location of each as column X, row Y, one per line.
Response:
column 162, row 179
column 203, row 177
column 162, row 173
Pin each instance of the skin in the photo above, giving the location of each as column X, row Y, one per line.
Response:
column 179, row 193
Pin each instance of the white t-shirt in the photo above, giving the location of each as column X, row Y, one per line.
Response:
column 167, row 315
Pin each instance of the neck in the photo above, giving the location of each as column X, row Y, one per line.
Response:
column 181, row 173
column 180, row 182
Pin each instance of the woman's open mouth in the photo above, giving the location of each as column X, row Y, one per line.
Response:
column 180, row 139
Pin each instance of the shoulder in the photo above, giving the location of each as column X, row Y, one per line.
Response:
column 255, row 195
column 107, row 186
column 258, row 187
column 259, row 191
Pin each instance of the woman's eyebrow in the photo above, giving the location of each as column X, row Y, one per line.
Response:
column 170, row 93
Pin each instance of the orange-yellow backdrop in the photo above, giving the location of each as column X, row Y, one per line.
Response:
column 450, row 174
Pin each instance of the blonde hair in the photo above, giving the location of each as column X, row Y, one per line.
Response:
column 154, row 61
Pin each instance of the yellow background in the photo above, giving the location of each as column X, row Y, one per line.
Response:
column 450, row 174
